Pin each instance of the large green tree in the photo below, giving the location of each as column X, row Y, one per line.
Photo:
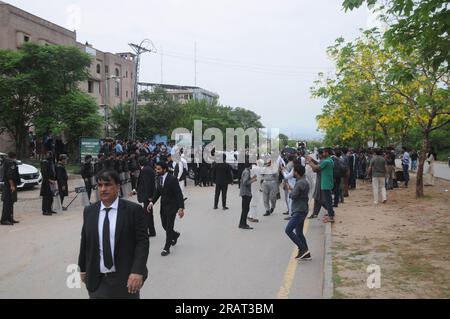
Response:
column 375, row 85
column 422, row 26
column 31, row 80
column 74, row 115
column 161, row 115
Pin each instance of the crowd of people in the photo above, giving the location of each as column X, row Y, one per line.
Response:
column 158, row 172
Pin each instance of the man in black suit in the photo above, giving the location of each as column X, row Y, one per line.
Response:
column 114, row 244
column 222, row 177
column 48, row 184
column 62, row 178
column 145, row 190
column 87, row 172
column 352, row 166
column 172, row 203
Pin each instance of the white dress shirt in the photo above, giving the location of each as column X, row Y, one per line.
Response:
column 112, row 215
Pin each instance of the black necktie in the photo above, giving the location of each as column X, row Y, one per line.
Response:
column 107, row 254
column 161, row 180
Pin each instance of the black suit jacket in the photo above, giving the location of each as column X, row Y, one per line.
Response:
column 131, row 244
column 171, row 196
column 146, row 184
column 222, row 174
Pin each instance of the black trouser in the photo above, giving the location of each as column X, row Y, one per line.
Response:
column 168, row 223
column 197, row 176
column 62, row 199
column 317, row 206
column 112, row 287
column 327, row 201
column 337, row 191
column 221, row 188
column 47, row 202
column 133, row 180
column 7, row 211
column 150, row 219
column 296, row 223
column 245, row 209
column 352, row 180
column 88, row 186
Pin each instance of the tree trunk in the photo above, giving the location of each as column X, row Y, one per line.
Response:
column 422, row 158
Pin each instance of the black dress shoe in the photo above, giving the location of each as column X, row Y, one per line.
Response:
column 215, row 208
column 247, row 227
column 165, row 253
column 54, row 213
column 7, row 223
column 47, row 214
column 225, row 208
column 152, row 235
column 174, row 242
column 272, row 210
column 15, row 222
column 267, row 213
column 287, row 213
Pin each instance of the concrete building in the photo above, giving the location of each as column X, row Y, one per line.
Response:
column 182, row 94
column 111, row 78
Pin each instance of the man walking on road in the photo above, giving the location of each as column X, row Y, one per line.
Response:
column 405, row 165
column 114, row 244
column 62, row 178
column 48, row 184
column 299, row 195
column 172, row 203
column 87, row 172
column 145, row 192
column 326, row 167
column 246, row 194
column 378, row 171
column 222, row 177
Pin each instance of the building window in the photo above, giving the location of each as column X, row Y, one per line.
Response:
column 26, row 38
column 98, row 68
column 106, row 69
column 117, row 72
column 90, row 87
column 117, row 88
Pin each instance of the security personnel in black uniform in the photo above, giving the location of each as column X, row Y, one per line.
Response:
column 11, row 179
column 48, row 182
column 87, row 172
column 99, row 164
column 62, row 178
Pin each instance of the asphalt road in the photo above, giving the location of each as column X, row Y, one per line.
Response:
column 213, row 259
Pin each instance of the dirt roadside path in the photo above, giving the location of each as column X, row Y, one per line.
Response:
column 408, row 239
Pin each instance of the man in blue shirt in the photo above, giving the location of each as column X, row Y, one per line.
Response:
column 405, row 165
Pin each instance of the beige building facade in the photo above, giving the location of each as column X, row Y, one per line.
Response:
column 112, row 76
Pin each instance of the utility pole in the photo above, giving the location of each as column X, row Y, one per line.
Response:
column 195, row 63
column 162, row 65
column 138, row 49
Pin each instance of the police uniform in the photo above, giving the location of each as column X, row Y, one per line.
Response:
column 11, row 173
column 62, row 178
column 48, row 174
column 87, row 173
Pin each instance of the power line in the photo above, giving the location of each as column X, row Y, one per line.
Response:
column 236, row 62
column 249, row 68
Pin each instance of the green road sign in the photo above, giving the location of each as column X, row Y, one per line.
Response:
column 89, row 146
